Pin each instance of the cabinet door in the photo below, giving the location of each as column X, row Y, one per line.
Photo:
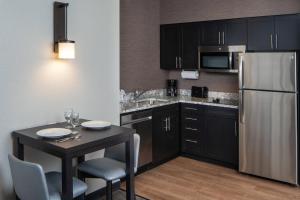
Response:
column 172, row 135
column 159, row 132
column 287, row 32
column 212, row 33
column 221, row 137
column 169, row 46
column 165, row 133
column 261, row 34
column 236, row 32
column 189, row 46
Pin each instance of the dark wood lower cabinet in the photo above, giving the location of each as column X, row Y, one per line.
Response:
column 210, row 133
column 221, row 135
column 165, row 133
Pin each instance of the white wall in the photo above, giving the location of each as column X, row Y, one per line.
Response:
column 36, row 88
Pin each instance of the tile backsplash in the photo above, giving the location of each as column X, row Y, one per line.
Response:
column 129, row 96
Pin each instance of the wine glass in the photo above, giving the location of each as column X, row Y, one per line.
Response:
column 68, row 116
column 75, row 121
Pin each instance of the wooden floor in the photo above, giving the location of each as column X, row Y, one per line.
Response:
column 186, row 179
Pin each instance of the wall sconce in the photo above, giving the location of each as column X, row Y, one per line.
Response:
column 62, row 46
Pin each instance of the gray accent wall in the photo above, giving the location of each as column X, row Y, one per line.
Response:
column 140, row 36
column 140, row 21
column 177, row 11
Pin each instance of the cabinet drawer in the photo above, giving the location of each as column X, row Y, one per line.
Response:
column 192, row 109
column 191, row 147
column 193, row 125
column 194, row 136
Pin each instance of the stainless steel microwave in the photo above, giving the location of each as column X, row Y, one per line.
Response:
column 220, row 58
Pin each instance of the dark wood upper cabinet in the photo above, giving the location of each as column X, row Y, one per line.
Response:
column 225, row 32
column 287, row 32
column 179, row 46
column 274, row 33
column 236, row 32
column 261, row 34
column 189, row 46
column 180, row 42
column 169, row 46
column 213, row 33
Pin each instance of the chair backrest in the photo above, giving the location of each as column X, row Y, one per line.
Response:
column 117, row 152
column 29, row 179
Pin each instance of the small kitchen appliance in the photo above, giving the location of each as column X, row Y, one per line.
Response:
column 199, row 92
column 172, row 87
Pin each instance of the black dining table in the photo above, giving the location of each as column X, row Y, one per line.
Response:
column 90, row 141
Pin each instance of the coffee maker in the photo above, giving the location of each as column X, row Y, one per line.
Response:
column 172, row 87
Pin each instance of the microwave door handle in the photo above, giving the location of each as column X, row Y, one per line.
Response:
column 230, row 60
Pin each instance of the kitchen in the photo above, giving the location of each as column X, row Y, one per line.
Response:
column 171, row 43
column 139, row 99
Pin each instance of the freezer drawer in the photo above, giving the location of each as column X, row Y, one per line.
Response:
column 268, row 135
column 269, row 71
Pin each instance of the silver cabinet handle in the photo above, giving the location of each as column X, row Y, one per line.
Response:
column 192, row 141
column 193, row 119
column 276, row 41
column 235, row 129
column 199, row 57
column 180, row 62
column 223, row 35
column 166, row 124
column 191, row 129
column 188, row 108
column 219, row 37
column 176, row 62
column 271, row 40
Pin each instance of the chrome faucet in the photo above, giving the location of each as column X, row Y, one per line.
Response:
column 138, row 93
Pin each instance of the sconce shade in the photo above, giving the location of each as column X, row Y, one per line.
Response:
column 66, row 49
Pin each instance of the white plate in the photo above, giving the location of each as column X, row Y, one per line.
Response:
column 54, row 132
column 98, row 125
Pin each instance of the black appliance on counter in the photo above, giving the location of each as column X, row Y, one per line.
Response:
column 172, row 87
column 199, row 92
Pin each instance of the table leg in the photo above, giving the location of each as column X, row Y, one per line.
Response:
column 130, row 194
column 79, row 174
column 18, row 148
column 67, row 178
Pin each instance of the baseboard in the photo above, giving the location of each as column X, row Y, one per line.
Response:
column 208, row 160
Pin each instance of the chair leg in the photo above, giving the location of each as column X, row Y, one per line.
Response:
column 108, row 190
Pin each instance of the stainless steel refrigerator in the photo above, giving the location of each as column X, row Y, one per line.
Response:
column 268, row 115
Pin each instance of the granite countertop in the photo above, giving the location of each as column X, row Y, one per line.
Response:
column 164, row 100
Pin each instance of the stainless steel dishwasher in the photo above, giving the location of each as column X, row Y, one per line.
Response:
column 141, row 121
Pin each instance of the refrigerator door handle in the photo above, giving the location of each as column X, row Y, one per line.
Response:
column 241, row 71
column 241, row 107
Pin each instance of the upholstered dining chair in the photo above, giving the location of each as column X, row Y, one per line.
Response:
column 112, row 166
column 30, row 182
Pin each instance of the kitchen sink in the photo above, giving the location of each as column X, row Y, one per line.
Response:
column 151, row 101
